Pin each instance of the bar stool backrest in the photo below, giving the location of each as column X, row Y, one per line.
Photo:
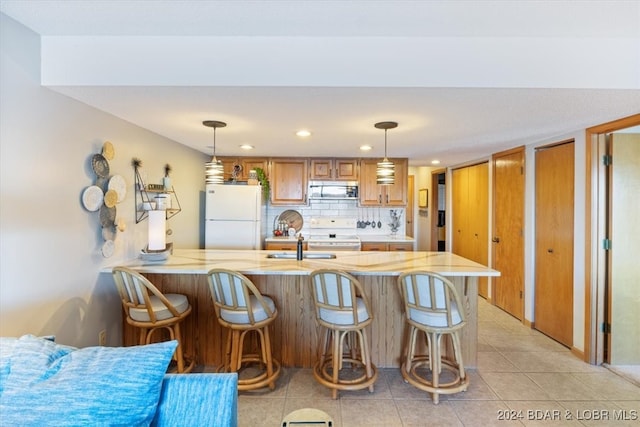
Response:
column 337, row 291
column 431, row 300
column 232, row 292
column 135, row 291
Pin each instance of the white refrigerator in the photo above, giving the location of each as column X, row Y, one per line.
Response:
column 233, row 216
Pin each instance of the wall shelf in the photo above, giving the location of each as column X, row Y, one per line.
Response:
column 145, row 194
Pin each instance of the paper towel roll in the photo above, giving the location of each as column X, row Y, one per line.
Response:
column 157, row 230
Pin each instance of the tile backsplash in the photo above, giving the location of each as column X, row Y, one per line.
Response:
column 340, row 208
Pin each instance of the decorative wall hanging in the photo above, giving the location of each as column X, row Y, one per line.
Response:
column 103, row 196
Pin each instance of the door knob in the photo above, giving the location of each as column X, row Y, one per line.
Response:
column 496, row 240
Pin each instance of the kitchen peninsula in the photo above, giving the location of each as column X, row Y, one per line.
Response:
column 295, row 334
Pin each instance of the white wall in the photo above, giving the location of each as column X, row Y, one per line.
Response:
column 50, row 246
column 422, row 222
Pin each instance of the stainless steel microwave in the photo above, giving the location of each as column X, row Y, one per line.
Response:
column 333, row 190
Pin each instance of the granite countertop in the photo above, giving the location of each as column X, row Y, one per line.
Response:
column 200, row 261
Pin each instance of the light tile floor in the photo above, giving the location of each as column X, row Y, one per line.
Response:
column 523, row 377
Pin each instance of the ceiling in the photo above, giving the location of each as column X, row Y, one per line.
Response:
column 463, row 79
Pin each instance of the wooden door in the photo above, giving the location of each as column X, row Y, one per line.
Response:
column 460, row 212
column 479, row 220
column 624, row 232
column 508, row 231
column 554, row 241
column 409, row 211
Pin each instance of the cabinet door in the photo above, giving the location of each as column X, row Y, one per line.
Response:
column 369, row 191
column 321, row 168
column 288, row 178
column 346, row 169
column 400, row 246
column 373, row 246
column 284, row 246
column 228, row 163
column 249, row 163
column 396, row 194
column 372, row 194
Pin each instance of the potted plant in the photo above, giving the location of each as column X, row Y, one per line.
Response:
column 264, row 182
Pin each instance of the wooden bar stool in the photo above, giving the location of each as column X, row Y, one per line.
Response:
column 344, row 312
column 432, row 305
column 150, row 310
column 241, row 308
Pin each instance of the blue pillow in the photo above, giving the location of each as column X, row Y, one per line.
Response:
column 49, row 384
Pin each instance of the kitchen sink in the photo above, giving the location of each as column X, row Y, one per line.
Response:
column 307, row 255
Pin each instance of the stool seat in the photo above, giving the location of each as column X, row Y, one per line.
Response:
column 242, row 309
column 343, row 311
column 242, row 316
column 150, row 310
column 432, row 306
column 162, row 312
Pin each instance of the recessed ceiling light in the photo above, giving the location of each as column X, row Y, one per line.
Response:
column 246, row 147
column 435, row 162
column 303, row 133
column 365, row 148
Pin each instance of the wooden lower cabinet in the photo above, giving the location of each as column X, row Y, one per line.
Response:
column 383, row 246
column 284, row 246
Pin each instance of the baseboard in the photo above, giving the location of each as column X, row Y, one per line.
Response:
column 578, row 353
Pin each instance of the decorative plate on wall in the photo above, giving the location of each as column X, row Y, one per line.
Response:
column 107, row 216
column 108, row 151
column 293, row 219
column 110, row 198
column 92, row 198
column 100, row 165
column 119, row 185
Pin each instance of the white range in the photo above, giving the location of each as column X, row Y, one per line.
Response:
column 333, row 234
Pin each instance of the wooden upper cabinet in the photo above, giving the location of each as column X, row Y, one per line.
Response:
column 288, row 179
column 372, row 194
column 334, row 169
column 249, row 163
column 245, row 164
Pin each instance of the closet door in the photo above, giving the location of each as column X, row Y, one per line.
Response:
column 508, row 231
column 554, row 242
column 470, row 205
column 460, row 212
column 479, row 220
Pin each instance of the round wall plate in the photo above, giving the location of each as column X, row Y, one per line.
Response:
column 118, row 184
column 92, row 198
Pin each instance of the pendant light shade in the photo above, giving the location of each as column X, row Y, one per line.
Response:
column 214, row 171
column 386, row 171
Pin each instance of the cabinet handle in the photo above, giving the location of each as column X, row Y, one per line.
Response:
column 496, row 240
column 550, row 250
column 387, row 198
column 380, row 198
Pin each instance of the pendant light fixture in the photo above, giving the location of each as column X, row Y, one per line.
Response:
column 385, row 173
column 214, row 171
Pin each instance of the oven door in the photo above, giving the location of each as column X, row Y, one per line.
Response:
column 323, row 245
